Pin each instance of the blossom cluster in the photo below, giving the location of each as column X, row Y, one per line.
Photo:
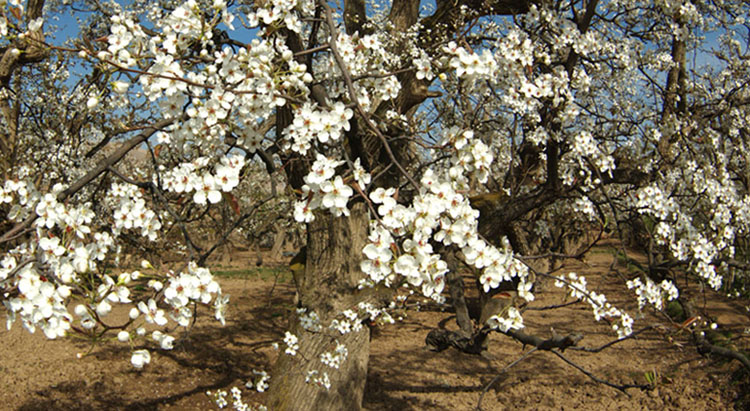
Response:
column 399, row 247
column 323, row 189
column 508, row 69
column 678, row 231
column 350, row 323
column 336, row 357
column 206, row 185
column 309, row 321
column 238, row 404
column 509, row 66
column 280, row 13
column 131, row 211
column 237, row 87
column 317, row 378
column 585, row 147
column 40, row 278
column 510, row 320
column 651, row 293
column 311, row 124
column 399, row 244
column 370, row 59
column 291, row 342
column 261, row 381
column 470, row 155
column 39, row 302
column 576, row 285
column 197, row 284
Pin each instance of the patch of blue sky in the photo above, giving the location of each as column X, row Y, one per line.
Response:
column 67, row 21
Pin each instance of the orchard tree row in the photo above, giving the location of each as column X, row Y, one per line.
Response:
column 412, row 141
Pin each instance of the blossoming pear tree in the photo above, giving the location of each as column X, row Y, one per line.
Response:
column 418, row 140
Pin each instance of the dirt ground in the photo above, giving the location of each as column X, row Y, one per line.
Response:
column 37, row 374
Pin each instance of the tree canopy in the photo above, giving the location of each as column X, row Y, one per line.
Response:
column 413, row 141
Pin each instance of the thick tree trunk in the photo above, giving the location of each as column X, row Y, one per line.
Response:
column 329, row 286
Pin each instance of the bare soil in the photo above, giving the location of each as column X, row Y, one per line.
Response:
column 38, row 374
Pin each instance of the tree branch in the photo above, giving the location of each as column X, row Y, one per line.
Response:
column 497, row 377
column 556, row 341
column 618, row 387
column 94, row 173
column 705, row 347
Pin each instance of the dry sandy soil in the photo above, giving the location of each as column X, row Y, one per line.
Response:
column 36, row 374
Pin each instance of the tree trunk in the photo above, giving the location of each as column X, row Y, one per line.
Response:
column 278, row 243
column 329, row 286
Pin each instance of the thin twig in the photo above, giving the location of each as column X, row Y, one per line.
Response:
column 312, row 50
column 613, row 342
column 621, row 388
column 222, row 240
column 500, row 374
column 103, row 166
column 193, row 248
column 552, row 307
column 564, row 281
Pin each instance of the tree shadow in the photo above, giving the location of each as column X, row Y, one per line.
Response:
column 208, row 358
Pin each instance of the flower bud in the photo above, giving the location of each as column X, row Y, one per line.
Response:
column 92, row 102
column 123, row 336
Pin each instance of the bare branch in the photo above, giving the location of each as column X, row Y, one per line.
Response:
column 621, row 388
column 94, row 173
column 705, row 347
column 556, row 341
column 554, row 306
column 613, row 342
column 497, row 377
column 223, row 239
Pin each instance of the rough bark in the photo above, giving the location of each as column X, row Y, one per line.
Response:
column 440, row 339
column 21, row 51
column 334, row 244
column 674, row 92
column 329, row 286
column 456, row 289
column 355, row 16
column 289, row 391
column 404, row 14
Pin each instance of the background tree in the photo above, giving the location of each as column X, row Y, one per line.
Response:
column 416, row 140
